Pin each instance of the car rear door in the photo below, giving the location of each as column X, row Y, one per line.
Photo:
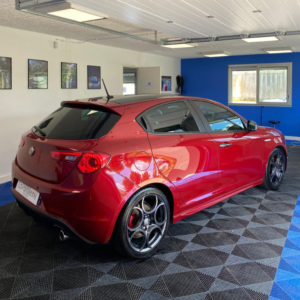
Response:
column 240, row 151
column 184, row 152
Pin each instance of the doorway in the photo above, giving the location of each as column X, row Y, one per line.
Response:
column 129, row 81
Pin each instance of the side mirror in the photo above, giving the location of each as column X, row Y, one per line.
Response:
column 251, row 125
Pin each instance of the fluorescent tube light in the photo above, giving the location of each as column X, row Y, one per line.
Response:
column 279, row 50
column 75, row 15
column 215, row 54
column 261, row 39
column 71, row 12
column 177, row 46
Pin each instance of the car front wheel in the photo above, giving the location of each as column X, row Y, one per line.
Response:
column 275, row 170
column 143, row 224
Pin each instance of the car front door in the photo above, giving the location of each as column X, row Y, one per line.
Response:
column 184, row 152
column 240, row 151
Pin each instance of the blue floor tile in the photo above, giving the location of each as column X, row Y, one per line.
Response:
column 285, row 275
column 285, row 266
column 287, row 281
column 278, row 293
column 5, row 194
column 291, row 286
column 294, row 261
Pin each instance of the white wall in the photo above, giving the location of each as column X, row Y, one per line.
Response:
column 22, row 108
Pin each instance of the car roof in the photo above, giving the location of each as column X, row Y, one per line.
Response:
column 118, row 102
column 137, row 98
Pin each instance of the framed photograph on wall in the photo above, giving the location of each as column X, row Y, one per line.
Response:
column 94, row 77
column 68, row 75
column 5, row 73
column 166, row 83
column 37, row 74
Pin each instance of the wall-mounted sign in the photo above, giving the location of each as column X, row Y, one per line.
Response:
column 166, row 83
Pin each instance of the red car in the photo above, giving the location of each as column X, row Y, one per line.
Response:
column 122, row 170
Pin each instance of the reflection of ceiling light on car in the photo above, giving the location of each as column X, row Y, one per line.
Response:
column 71, row 12
column 184, row 45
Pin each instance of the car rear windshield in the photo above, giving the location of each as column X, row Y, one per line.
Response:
column 77, row 123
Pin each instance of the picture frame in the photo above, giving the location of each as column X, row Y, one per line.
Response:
column 166, row 83
column 5, row 73
column 69, row 75
column 37, row 74
column 94, row 77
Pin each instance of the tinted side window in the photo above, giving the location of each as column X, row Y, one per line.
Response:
column 219, row 118
column 171, row 117
column 74, row 123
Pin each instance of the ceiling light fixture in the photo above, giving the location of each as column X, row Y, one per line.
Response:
column 209, row 17
column 261, row 39
column 279, row 50
column 72, row 12
column 177, row 46
column 215, row 54
column 170, row 22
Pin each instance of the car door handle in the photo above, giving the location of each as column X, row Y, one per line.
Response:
column 225, row 145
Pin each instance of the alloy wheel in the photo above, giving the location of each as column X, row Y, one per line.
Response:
column 147, row 223
column 276, row 168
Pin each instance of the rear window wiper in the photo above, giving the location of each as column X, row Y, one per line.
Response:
column 39, row 130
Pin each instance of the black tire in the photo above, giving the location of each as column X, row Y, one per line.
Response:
column 275, row 170
column 136, row 224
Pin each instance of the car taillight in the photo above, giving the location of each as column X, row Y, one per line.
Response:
column 70, row 157
column 92, row 162
column 22, row 142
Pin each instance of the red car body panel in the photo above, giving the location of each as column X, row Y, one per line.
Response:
column 192, row 167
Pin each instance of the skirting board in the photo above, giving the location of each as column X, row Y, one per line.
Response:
column 5, row 178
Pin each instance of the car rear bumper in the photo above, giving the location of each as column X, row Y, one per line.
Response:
column 48, row 220
column 84, row 206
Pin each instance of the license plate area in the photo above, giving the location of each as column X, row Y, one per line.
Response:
column 28, row 193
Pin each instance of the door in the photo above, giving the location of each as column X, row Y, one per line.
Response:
column 240, row 151
column 184, row 152
column 149, row 80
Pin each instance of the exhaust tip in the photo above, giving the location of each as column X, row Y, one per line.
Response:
column 62, row 236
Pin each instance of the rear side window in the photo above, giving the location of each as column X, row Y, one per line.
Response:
column 219, row 118
column 77, row 123
column 171, row 118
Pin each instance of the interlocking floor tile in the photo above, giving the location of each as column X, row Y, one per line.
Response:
column 183, row 284
column 68, row 279
column 248, row 273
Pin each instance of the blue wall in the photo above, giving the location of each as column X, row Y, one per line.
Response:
column 208, row 78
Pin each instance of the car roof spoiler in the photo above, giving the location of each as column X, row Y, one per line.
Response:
column 95, row 103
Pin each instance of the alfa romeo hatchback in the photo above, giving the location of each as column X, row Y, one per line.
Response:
column 122, row 169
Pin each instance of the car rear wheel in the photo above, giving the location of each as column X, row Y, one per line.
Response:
column 275, row 170
column 143, row 224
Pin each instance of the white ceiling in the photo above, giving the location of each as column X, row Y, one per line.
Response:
column 142, row 17
column 190, row 16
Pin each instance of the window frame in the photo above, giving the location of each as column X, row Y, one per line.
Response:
column 257, row 67
column 149, row 129
column 206, row 124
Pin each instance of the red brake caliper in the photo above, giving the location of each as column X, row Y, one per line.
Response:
column 133, row 220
